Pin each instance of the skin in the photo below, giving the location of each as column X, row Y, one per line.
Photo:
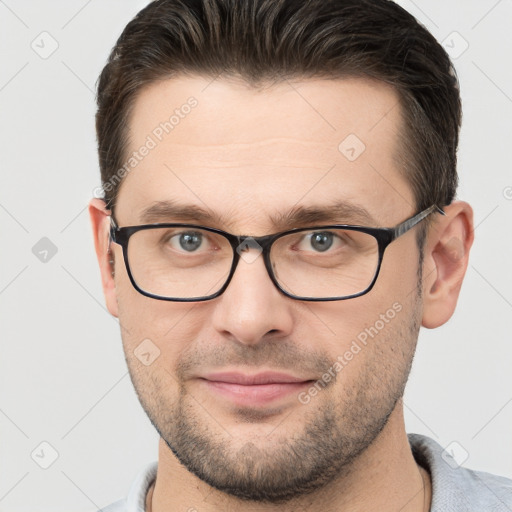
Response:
column 247, row 154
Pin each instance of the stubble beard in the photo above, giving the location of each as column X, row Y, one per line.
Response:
column 338, row 425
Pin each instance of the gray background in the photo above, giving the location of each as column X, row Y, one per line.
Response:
column 63, row 378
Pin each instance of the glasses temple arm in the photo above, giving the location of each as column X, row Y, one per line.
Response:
column 408, row 224
column 113, row 227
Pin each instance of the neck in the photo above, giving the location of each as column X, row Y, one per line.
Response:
column 384, row 478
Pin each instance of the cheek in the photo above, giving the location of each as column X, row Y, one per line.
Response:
column 380, row 354
column 347, row 320
column 161, row 328
column 379, row 328
column 153, row 342
column 398, row 277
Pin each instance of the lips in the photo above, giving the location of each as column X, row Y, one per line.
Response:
column 254, row 390
column 250, row 380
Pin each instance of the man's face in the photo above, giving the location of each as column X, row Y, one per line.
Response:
column 249, row 155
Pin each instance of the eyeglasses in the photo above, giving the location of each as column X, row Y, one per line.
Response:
column 190, row 263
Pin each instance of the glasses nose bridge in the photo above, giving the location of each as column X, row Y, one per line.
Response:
column 263, row 243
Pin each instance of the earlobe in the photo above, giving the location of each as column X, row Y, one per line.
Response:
column 447, row 247
column 100, row 221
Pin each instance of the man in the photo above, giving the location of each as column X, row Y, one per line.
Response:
column 278, row 222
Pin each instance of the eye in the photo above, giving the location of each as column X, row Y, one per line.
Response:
column 321, row 241
column 188, row 241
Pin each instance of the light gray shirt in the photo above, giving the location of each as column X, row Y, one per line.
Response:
column 454, row 488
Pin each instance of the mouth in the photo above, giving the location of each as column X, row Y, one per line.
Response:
column 254, row 390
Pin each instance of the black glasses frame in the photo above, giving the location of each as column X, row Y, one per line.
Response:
column 384, row 237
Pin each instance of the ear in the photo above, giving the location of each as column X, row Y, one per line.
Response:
column 446, row 257
column 100, row 220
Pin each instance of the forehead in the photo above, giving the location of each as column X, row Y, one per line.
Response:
column 249, row 154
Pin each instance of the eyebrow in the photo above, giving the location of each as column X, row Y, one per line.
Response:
column 341, row 212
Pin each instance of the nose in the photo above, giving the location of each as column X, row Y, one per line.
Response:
column 252, row 308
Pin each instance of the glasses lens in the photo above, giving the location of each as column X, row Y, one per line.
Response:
column 325, row 264
column 179, row 262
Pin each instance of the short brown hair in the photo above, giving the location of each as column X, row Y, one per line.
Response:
column 272, row 40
